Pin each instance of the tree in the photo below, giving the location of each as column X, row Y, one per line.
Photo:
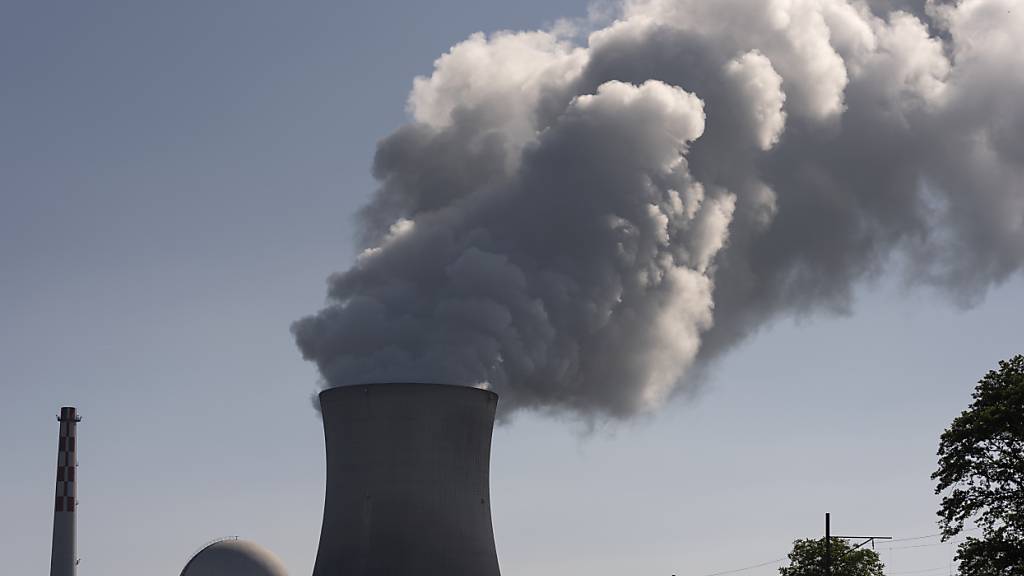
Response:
column 808, row 559
column 981, row 472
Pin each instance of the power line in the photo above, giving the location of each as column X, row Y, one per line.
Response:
column 887, row 547
column 937, row 568
column 916, row 537
column 761, row 565
column 920, row 545
column 925, row 537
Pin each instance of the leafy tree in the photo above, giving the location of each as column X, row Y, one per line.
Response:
column 808, row 559
column 981, row 472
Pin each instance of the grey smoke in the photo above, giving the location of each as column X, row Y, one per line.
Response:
column 584, row 224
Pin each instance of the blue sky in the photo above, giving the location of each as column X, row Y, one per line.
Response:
column 177, row 181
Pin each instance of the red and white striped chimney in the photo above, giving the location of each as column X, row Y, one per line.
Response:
column 63, row 558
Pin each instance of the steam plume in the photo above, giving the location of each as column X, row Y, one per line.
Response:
column 580, row 223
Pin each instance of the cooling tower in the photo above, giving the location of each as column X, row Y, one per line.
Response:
column 63, row 559
column 408, row 488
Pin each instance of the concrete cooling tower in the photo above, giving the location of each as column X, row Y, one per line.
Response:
column 408, row 489
column 234, row 557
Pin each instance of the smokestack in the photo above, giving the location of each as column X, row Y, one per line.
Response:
column 63, row 559
column 408, row 488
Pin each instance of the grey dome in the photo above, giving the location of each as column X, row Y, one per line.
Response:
column 234, row 557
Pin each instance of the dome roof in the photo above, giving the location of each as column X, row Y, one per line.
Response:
column 234, row 557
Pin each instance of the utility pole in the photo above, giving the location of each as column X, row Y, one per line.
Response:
column 828, row 543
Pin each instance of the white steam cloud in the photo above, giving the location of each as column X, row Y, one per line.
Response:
column 583, row 223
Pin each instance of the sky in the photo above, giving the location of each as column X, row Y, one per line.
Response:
column 178, row 181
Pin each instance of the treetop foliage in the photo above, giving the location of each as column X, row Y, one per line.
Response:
column 981, row 474
column 808, row 559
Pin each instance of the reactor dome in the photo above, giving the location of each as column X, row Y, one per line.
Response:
column 234, row 557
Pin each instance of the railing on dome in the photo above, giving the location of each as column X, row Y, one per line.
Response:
column 204, row 547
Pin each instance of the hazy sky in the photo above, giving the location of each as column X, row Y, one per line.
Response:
column 177, row 181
